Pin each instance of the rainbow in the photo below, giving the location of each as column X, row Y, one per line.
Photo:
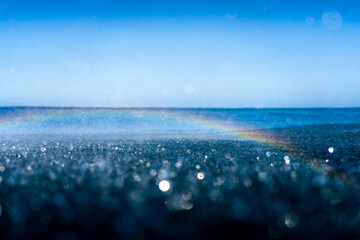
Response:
column 69, row 119
column 35, row 120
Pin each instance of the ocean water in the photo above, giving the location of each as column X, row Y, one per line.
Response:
column 72, row 173
column 164, row 122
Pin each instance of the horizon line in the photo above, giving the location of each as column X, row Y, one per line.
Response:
column 179, row 108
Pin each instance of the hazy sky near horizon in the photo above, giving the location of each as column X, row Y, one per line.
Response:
column 180, row 53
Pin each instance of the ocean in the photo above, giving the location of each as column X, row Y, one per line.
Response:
column 144, row 173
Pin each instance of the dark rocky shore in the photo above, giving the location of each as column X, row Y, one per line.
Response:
column 106, row 187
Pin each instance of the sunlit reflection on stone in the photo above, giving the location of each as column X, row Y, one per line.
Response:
column 164, row 185
column 331, row 149
column 291, row 219
column 287, row 160
column 200, row 176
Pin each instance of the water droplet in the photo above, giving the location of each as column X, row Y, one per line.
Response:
column 153, row 172
column 186, row 196
column 247, row 182
column 291, row 219
column 164, row 185
column 287, row 160
column 332, row 19
column 200, row 175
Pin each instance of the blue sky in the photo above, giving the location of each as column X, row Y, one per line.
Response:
column 180, row 53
